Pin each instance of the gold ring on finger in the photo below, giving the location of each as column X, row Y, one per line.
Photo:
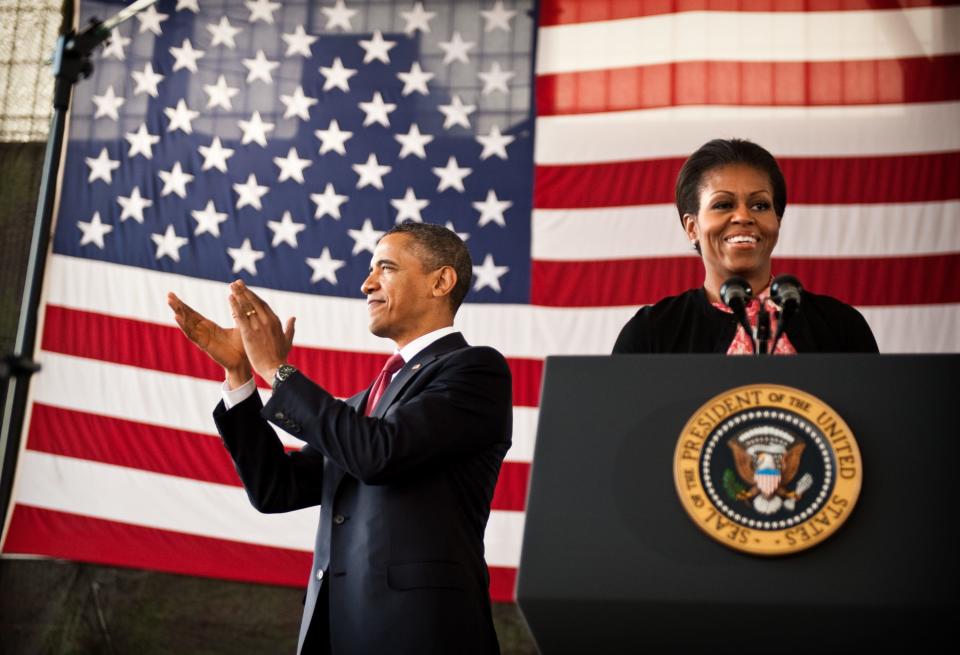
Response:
column 250, row 313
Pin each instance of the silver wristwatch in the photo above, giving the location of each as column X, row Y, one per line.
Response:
column 283, row 372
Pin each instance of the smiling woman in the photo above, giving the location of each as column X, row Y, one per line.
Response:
column 731, row 197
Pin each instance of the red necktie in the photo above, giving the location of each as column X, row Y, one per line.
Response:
column 394, row 364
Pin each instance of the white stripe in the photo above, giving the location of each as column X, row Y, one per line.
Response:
column 877, row 230
column 119, row 290
column 605, row 233
column 515, row 330
column 174, row 401
column 166, row 502
column 915, row 328
column 785, row 131
column 749, row 36
column 137, row 293
column 155, row 500
column 524, row 434
column 125, row 392
column 503, row 538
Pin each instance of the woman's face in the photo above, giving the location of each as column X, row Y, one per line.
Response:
column 736, row 227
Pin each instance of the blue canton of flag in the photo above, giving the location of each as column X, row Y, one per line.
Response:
column 276, row 142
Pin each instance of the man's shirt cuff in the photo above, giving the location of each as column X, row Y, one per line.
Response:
column 233, row 397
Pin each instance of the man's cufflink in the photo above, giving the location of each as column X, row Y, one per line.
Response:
column 283, row 372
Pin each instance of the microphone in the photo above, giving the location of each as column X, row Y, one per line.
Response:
column 735, row 294
column 785, row 290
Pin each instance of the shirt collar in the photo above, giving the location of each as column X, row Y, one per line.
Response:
column 412, row 349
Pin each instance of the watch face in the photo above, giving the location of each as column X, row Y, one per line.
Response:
column 283, row 372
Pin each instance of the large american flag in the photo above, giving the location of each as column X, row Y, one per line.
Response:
column 275, row 141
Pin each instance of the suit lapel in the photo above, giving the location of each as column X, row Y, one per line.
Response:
column 407, row 374
column 414, row 367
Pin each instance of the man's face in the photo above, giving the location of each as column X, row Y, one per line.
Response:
column 400, row 294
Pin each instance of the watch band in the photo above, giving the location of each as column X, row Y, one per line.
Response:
column 283, row 372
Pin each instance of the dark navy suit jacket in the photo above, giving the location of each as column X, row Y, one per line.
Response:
column 404, row 494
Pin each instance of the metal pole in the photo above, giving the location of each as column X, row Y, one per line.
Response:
column 21, row 364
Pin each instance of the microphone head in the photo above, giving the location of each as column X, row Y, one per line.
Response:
column 735, row 293
column 785, row 291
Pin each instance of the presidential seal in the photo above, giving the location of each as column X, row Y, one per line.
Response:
column 767, row 469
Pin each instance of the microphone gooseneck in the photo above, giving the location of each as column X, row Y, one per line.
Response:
column 763, row 331
column 785, row 290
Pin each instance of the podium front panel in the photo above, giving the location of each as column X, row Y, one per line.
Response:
column 611, row 562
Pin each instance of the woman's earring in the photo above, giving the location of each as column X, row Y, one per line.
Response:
column 695, row 243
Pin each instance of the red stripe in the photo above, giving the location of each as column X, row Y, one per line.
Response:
column 503, row 584
column 36, row 531
column 511, row 491
column 127, row 443
column 162, row 348
column 565, row 12
column 184, row 454
column 63, row 535
column 823, row 181
column 862, row 282
column 732, row 83
column 527, row 374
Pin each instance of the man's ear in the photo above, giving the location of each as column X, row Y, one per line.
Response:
column 445, row 280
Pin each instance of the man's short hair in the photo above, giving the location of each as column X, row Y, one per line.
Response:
column 437, row 246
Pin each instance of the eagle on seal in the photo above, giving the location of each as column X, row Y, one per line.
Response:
column 768, row 472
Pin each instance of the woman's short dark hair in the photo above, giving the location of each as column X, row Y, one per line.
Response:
column 437, row 246
column 722, row 152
